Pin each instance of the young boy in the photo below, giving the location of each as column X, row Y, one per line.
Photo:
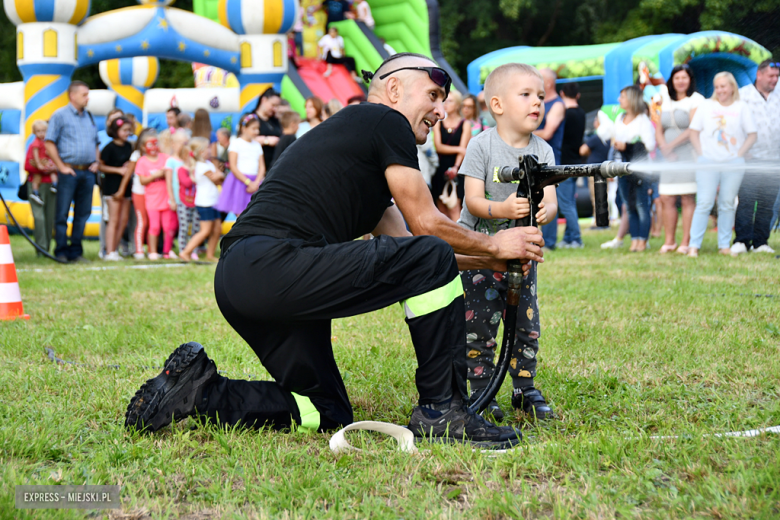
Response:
column 290, row 121
column 515, row 97
column 38, row 164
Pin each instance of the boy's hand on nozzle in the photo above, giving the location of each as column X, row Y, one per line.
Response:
column 541, row 215
column 521, row 243
column 514, row 207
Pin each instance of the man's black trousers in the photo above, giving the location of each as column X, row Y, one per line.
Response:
column 280, row 295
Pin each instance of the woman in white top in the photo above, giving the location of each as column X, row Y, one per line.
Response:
column 314, row 117
column 332, row 51
column 247, row 168
column 722, row 132
column 634, row 139
column 673, row 137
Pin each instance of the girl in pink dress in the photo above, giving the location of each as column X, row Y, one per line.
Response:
column 160, row 202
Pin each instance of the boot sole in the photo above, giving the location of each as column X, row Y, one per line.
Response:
column 488, row 445
column 152, row 408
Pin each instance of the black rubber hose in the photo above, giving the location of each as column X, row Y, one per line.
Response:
column 25, row 235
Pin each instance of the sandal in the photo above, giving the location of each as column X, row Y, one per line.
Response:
column 693, row 252
column 683, row 250
column 666, row 249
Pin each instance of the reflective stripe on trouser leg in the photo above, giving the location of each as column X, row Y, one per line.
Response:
column 433, row 300
column 310, row 416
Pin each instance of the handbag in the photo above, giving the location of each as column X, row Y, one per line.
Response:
column 22, row 193
column 449, row 196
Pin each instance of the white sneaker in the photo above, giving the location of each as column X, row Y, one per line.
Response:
column 762, row 249
column 171, row 255
column 139, row 256
column 615, row 243
column 154, row 256
column 738, row 248
column 113, row 257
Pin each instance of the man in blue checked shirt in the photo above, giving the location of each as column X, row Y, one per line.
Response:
column 72, row 143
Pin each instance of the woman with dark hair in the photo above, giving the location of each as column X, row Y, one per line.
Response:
column 270, row 129
column 313, row 108
column 673, row 137
column 201, row 125
column 634, row 139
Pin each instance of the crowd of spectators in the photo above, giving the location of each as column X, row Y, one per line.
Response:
column 157, row 187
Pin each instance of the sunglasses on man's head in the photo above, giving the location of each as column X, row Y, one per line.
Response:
column 437, row 75
column 773, row 64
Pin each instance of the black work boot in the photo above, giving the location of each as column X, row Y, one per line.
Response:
column 492, row 407
column 172, row 394
column 531, row 401
column 460, row 424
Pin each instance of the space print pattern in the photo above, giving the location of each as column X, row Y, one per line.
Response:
column 486, row 293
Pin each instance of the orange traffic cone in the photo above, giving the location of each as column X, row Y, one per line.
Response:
column 10, row 297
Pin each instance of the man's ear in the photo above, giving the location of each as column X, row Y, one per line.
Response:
column 495, row 105
column 394, row 89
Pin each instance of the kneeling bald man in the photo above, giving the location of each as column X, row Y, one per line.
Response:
column 291, row 264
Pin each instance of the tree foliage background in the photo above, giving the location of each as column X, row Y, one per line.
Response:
column 471, row 28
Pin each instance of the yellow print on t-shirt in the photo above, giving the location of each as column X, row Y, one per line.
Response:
column 723, row 139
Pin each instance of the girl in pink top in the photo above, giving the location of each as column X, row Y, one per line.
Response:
column 160, row 202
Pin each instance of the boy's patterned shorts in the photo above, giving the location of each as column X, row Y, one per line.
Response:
column 485, row 308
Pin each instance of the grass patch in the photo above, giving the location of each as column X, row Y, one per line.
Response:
column 633, row 345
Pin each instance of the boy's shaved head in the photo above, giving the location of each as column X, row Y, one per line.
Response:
column 500, row 78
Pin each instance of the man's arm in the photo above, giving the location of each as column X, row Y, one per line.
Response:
column 54, row 155
column 414, row 200
column 553, row 121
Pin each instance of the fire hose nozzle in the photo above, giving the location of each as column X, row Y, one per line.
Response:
column 612, row 169
column 509, row 174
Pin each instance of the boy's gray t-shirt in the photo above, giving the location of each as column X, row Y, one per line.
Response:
column 486, row 154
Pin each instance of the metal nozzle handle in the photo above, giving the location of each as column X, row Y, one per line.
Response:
column 612, row 169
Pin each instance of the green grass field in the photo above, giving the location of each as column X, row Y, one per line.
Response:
column 632, row 346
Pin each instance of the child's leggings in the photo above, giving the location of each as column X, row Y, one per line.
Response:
column 189, row 224
column 141, row 222
column 168, row 220
column 486, row 292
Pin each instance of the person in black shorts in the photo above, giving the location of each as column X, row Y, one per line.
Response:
column 290, row 265
column 113, row 162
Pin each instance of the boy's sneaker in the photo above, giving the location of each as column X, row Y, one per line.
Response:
column 35, row 197
column 53, row 188
column 173, row 394
column 571, row 245
column 762, row 249
column 738, row 248
column 615, row 243
column 461, row 425
column 531, row 401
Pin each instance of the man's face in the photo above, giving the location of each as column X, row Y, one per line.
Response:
column 522, row 99
column 80, row 97
column 766, row 80
column 422, row 103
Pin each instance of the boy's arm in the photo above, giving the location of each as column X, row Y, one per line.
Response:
column 548, row 209
column 479, row 206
